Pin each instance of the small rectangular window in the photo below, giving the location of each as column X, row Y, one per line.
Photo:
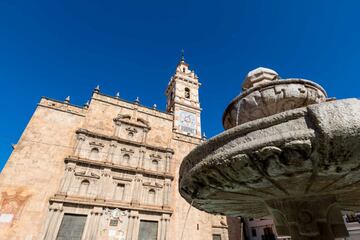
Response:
column 253, row 232
column 114, row 223
column 216, row 237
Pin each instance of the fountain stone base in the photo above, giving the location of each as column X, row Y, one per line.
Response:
column 308, row 218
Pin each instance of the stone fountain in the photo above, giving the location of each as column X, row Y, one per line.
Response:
column 288, row 151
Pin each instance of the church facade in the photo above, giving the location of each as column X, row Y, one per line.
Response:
column 108, row 170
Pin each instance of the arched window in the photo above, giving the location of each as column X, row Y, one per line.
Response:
column 154, row 165
column 183, row 69
column 187, row 93
column 126, row 158
column 84, row 187
column 94, row 153
column 152, row 195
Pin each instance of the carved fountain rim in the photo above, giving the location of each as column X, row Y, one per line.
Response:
column 268, row 84
column 229, row 134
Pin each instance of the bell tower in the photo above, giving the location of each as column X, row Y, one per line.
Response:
column 183, row 100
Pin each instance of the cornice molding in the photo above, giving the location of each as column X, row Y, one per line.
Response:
column 103, row 164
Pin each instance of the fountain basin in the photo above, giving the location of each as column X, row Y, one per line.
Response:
column 302, row 166
column 271, row 97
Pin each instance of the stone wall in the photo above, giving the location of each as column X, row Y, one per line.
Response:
column 114, row 162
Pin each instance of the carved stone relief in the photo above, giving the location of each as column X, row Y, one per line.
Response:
column 131, row 128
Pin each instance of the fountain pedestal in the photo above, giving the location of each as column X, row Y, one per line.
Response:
column 308, row 218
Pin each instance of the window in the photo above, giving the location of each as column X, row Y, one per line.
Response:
column 119, row 191
column 268, row 234
column 183, row 69
column 268, row 231
column 152, row 195
column 148, row 230
column 187, row 93
column 352, row 217
column 113, row 222
column 253, row 232
column 126, row 158
column 94, row 153
column 84, row 187
column 72, row 227
column 216, row 237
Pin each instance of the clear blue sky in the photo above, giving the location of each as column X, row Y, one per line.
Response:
column 60, row 48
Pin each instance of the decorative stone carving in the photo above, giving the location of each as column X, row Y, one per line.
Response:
column 268, row 95
column 88, row 174
column 132, row 128
column 96, row 144
column 290, row 153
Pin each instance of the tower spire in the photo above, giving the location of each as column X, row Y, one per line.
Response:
column 182, row 59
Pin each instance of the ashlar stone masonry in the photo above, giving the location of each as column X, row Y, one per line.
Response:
column 107, row 170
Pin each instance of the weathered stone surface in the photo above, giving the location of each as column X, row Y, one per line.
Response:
column 271, row 97
column 259, row 76
column 298, row 162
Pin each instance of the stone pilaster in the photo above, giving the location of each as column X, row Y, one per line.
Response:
column 145, row 131
column 105, row 182
column 117, row 128
column 133, row 225
column 52, row 221
column 67, row 179
column 164, row 225
column 80, row 142
column 166, row 194
column 141, row 162
column 110, row 156
column 167, row 163
column 92, row 229
column 137, row 190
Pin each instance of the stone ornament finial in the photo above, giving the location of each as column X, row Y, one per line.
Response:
column 97, row 89
column 117, row 96
column 154, row 106
column 182, row 59
column 137, row 100
column 86, row 105
column 67, row 100
column 259, row 76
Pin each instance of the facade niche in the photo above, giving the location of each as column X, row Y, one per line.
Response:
column 84, row 187
column 119, row 191
column 126, row 158
column 155, row 165
column 152, row 196
column 94, row 154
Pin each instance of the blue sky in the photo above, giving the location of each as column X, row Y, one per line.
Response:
column 60, row 48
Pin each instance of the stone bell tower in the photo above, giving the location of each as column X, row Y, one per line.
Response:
column 183, row 100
